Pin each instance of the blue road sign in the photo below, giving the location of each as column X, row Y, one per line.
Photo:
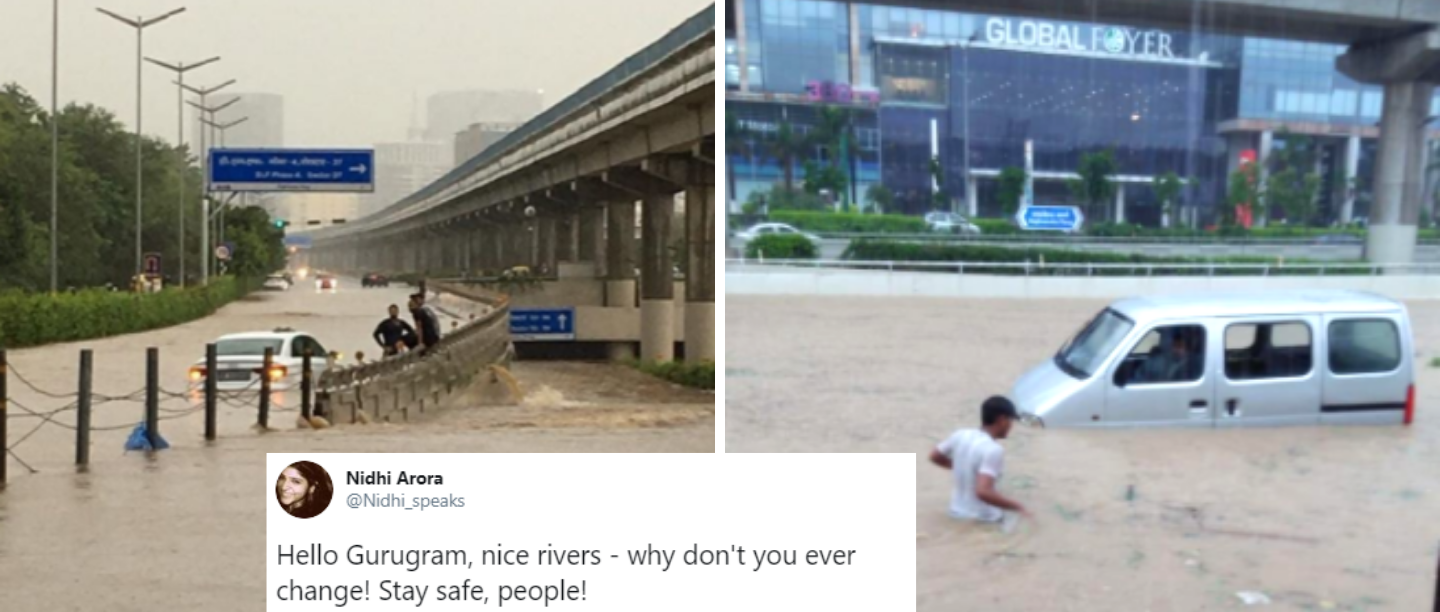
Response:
column 345, row 170
column 542, row 323
column 1061, row 218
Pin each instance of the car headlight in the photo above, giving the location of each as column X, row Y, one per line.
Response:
column 277, row 372
column 197, row 373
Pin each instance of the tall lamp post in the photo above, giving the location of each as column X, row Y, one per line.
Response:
column 222, row 128
column 55, row 148
column 139, row 23
column 205, row 168
column 180, row 70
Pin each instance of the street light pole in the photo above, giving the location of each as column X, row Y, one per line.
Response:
column 205, row 169
column 139, row 23
column 55, row 148
column 222, row 128
column 180, row 70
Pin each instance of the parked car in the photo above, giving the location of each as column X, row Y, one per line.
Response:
column 276, row 282
column 240, row 357
column 374, row 279
column 950, row 223
column 325, row 281
column 1215, row 360
column 767, row 229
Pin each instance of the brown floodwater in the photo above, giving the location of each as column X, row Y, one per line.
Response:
column 184, row 529
column 1314, row 518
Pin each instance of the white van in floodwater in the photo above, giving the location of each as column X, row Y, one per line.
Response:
column 1239, row 360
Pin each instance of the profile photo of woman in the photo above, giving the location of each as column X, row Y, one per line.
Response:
column 304, row 489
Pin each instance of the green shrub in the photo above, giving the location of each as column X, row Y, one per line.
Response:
column 31, row 319
column 849, row 222
column 996, row 227
column 1435, row 362
column 781, row 246
column 979, row 254
column 698, row 375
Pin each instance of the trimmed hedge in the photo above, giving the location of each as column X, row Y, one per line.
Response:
column 699, row 375
column 886, row 250
column 854, row 223
column 32, row 319
column 781, row 246
column 996, row 227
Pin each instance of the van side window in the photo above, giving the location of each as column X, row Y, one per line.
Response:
column 1364, row 346
column 1268, row 350
column 1170, row 354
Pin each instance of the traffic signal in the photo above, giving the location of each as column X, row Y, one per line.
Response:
column 281, row 223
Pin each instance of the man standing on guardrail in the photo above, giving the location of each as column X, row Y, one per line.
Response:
column 425, row 321
column 393, row 333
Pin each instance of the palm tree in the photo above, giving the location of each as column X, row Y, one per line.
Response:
column 737, row 143
column 834, row 133
column 785, row 147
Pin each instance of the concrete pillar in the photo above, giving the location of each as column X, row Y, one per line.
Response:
column 1352, row 170
column 1260, row 210
column 572, row 237
column 591, row 237
column 548, row 247
column 1395, row 213
column 700, row 272
column 972, row 197
column 620, row 254
column 741, row 54
column 657, row 280
column 1119, row 202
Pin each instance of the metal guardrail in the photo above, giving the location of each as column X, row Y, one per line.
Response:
column 743, row 266
column 383, row 388
column 1081, row 239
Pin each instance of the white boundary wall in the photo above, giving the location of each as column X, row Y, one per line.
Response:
column 799, row 281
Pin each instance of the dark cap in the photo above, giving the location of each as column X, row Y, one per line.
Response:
column 417, row 296
column 995, row 407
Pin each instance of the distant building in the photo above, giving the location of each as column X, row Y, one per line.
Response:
column 449, row 113
column 264, row 126
column 479, row 136
column 402, row 168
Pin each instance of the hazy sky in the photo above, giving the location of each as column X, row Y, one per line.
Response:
column 351, row 71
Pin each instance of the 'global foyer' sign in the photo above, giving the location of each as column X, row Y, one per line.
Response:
column 1077, row 38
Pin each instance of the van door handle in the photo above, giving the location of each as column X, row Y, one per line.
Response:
column 1230, row 405
column 1199, row 403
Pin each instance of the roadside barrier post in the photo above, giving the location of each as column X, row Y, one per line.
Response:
column 265, row 388
column 82, row 414
column 4, row 416
column 305, row 385
column 152, row 396
column 210, row 391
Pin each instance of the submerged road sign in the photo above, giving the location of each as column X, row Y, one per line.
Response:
column 1061, row 218
column 344, row 170
column 542, row 323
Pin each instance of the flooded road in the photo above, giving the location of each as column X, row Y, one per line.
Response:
column 1312, row 518
column 184, row 529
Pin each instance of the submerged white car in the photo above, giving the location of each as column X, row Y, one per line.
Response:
column 1215, row 360
column 240, row 358
column 276, row 282
column 771, row 229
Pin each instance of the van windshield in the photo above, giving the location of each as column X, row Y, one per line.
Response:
column 1084, row 353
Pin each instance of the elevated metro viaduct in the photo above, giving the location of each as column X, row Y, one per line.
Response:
column 560, row 194
column 1394, row 43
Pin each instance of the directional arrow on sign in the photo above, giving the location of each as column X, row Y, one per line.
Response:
column 563, row 318
column 360, row 168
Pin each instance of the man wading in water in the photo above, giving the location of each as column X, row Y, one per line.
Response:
column 978, row 461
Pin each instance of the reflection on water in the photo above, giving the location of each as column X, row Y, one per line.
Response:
column 1316, row 518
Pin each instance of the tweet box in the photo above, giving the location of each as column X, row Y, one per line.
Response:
column 597, row 532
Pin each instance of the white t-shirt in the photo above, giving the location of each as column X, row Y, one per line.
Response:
column 973, row 452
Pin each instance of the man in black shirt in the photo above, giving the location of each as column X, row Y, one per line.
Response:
column 394, row 332
column 426, row 321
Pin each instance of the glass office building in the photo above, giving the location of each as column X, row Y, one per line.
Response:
column 971, row 89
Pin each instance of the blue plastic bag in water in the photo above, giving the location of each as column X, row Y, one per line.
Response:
column 139, row 441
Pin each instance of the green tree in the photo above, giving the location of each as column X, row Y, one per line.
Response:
column 785, row 147
column 1094, row 186
column 1293, row 183
column 1244, row 190
column 825, row 177
column 879, row 198
column 1012, row 188
column 737, row 144
column 833, row 134
column 1167, row 189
